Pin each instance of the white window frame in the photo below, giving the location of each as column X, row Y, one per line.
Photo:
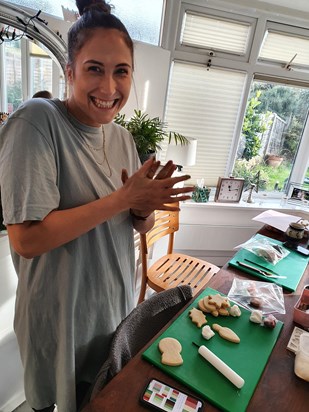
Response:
column 171, row 39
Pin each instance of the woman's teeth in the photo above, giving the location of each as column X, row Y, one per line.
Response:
column 103, row 104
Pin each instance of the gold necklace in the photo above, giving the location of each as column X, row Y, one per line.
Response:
column 95, row 149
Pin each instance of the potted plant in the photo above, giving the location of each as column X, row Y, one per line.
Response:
column 148, row 133
column 273, row 160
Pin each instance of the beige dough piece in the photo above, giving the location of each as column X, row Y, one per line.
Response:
column 201, row 305
column 226, row 333
column 210, row 308
column 197, row 317
column 170, row 349
column 219, row 301
column 223, row 312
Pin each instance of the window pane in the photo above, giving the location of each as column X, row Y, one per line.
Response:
column 198, row 107
column 142, row 18
column 52, row 7
column 271, row 134
column 144, row 26
column 306, row 180
column 215, row 33
column 283, row 48
column 41, row 74
column 12, row 67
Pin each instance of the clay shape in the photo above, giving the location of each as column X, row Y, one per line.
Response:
column 256, row 316
column 170, row 349
column 219, row 301
column 207, row 332
column 223, row 312
column 202, row 306
column 235, row 311
column 226, row 333
column 197, row 317
column 270, row 321
column 256, row 302
column 210, row 308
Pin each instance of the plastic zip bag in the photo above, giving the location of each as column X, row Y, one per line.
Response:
column 264, row 296
column 269, row 251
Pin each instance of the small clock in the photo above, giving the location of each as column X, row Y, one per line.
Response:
column 229, row 189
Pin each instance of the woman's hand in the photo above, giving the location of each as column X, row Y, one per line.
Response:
column 146, row 191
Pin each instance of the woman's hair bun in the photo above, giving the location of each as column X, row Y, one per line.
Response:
column 86, row 5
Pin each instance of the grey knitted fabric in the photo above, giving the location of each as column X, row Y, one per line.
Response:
column 141, row 325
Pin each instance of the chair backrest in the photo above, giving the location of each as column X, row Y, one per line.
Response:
column 166, row 224
column 138, row 328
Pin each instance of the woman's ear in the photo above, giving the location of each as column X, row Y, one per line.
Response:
column 69, row 73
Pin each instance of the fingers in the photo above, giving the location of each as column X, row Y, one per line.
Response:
column 149, row 168
column 153, row 169
column 145, row 190
column 171, row 181
column 166, row 171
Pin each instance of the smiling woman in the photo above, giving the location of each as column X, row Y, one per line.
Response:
column 71, row 225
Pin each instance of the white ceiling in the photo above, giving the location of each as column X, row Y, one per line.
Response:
column 302, row 5
column 291, row 8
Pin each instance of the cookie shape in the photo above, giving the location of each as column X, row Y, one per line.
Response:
column 226, row 333
column 209, row 307
column 215, row 304
column 201, row 305
column 170, row 349
column 197, row 317
column 219, row 301
column 223, row 312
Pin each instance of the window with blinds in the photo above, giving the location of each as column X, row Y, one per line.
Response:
column 215, row 33
column 210, row 94
column 203, row 104
column 291, row 51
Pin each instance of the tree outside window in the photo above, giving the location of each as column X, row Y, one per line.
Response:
column 271, row 133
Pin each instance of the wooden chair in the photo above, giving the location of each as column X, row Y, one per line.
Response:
column 172, row 269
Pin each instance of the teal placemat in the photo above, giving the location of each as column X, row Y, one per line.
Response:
column 248, row 358
column 292, row 266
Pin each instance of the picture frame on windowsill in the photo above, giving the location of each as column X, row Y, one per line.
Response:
column 298, row 194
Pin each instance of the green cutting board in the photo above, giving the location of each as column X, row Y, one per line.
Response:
column 248, row 358
column 292, row 266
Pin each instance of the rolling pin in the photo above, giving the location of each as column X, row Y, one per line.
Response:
column 220, row 366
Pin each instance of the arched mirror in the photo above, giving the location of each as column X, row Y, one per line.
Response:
column 32, row 57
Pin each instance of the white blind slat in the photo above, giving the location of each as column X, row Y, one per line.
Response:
column 214, row 33
column 204, row 105
column 282, row 47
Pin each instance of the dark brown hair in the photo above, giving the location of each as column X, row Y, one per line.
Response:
column 43, row 93
column 93, row 14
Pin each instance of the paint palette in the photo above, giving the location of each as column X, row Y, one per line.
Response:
column 294, row 339
column 163, row 397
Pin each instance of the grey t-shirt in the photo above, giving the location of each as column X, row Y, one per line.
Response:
column 69, row 300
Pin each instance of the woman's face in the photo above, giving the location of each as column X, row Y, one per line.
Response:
column 101, row 78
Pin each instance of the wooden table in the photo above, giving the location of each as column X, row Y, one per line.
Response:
column 279, row 389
